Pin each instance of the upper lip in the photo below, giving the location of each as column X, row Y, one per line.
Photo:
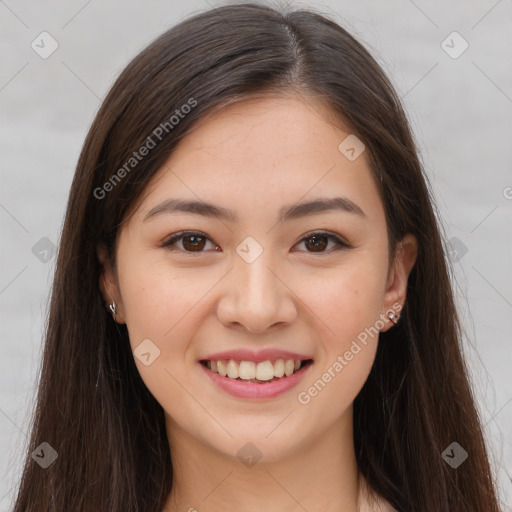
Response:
column 269, row 354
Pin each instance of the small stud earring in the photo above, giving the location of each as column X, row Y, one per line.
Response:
column 393, row 317
column 113, row 309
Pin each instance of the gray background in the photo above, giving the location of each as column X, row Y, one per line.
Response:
column 460, row 109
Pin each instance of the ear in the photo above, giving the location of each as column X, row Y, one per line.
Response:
column 396, row 287
column 108, row 285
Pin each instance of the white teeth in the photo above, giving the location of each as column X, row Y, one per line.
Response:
column 249, row 370
column 279, row 368
column 221, row 368
column 232, row 369
column 265, row 370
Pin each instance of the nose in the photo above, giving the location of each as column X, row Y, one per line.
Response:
column 256, row 297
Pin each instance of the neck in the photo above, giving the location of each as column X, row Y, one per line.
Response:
column 320, row 475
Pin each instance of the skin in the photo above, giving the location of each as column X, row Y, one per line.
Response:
column 254, row 157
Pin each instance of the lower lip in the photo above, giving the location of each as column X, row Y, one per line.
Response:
column 242, row 389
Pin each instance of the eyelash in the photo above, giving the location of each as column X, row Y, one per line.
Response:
column 168, row 243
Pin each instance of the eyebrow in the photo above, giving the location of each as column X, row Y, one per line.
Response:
column 289, row 212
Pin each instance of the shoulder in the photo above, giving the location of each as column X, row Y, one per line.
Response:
column 370, row 501
column 381, row 505
column 386, row 507
column 376, row 504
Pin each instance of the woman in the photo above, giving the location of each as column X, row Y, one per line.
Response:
column 251, row 308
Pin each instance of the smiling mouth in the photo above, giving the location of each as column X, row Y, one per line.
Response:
column 261, row 373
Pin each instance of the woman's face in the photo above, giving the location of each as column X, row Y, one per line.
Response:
column 251, row 285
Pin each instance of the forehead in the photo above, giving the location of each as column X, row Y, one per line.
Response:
column 259, row 154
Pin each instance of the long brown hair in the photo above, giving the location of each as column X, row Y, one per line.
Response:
column 92, row 405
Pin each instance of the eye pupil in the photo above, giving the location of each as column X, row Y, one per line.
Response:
column 320, row 242
column 197, row 242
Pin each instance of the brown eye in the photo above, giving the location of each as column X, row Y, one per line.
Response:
column 193, row 242
column 318, row 242
column 190, row 242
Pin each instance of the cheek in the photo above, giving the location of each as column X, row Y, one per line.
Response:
column 161, row 307
column 158, row 300
column 166, row 306
column 348, row 310
column 346, row 300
